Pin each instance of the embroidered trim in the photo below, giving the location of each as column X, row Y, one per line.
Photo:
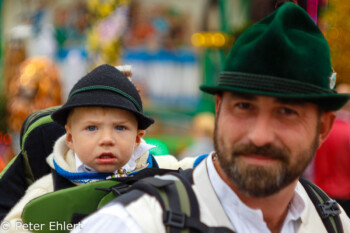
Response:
column 80, row 177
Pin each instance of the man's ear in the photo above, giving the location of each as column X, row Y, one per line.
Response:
column 140, row 133
column 69, row 138
column 326, row 123
column 218, row 103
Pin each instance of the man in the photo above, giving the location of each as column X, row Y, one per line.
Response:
column 274, row 107
column 331, row 166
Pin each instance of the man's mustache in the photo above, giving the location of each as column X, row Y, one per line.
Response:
column 269, row 151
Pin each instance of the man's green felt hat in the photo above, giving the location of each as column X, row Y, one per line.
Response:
column 284, row 55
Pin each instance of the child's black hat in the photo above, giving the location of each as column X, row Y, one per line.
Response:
column 105, row 86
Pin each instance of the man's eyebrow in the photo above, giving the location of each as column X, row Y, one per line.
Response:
column 290, row 101
column 244, row 96
column 277, row 100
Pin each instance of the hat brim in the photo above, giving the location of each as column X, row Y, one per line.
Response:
column 328, row 101
column 100, row 98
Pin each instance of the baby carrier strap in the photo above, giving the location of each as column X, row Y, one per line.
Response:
column 177, row 199
column 153, row 161
column 83, row 200
column 326, row 207
column 60, row 182
column 37, row 137
column 181, row 211
column 64, row 207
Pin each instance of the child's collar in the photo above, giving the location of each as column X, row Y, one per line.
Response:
column 80, row 167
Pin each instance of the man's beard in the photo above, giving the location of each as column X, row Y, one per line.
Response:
column 262, row 181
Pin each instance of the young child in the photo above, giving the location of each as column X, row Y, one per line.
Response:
column 104, row 126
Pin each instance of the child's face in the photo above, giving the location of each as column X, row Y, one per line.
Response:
column 103, row 138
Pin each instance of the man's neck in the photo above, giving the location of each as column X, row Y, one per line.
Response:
column 274, row 207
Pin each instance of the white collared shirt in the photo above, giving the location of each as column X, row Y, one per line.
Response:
column 248, row 220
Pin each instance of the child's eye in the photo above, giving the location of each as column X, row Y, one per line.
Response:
column 91, row 128
column 120, row 127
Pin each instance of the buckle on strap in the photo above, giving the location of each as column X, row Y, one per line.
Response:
column 174, row 219
column 330, row 207
column 120, row 189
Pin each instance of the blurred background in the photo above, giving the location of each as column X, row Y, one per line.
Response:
column 173, row 47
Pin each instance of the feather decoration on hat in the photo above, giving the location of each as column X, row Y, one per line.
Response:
column 126, row 70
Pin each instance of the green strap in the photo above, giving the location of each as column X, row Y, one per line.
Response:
column 325, row 206
column 331, row 218
column 176, row 200
column 184, row 200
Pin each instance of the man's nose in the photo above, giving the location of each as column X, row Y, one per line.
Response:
column 261, row 131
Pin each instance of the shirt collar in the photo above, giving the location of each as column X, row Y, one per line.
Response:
column 82, row 167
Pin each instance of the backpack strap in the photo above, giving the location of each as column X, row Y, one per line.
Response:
column 152, row 161
column 326, row 207
column 60, row 182
column 191, row 220
column 177, row 199
column 125, row 183
column 65, row 206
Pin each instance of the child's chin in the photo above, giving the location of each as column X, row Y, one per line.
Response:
column 105, row 169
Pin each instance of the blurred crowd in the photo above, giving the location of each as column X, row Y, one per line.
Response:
column 52, row 45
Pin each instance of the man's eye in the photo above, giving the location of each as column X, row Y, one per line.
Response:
column 91, row 128
column 120, row 127
column 288, row 111
column 244, row 105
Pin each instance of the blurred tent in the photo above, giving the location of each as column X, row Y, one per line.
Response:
column 334, row 20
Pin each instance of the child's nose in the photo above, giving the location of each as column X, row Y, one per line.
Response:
column 107, row 137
